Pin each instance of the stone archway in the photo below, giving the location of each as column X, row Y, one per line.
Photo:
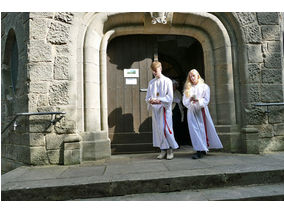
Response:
column 204, row 27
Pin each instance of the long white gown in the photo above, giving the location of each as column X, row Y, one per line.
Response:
column 162, row 89
column 201, row 127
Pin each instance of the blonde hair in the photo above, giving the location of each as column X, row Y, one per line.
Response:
column 188, row 83
column 155, row 65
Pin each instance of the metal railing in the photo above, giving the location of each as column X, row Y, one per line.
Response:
column 14, row 120
column 269, row 104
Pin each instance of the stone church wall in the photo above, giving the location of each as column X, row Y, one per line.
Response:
column 263, row 36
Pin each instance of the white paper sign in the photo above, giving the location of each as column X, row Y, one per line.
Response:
column 131, row 81
column 131, row 73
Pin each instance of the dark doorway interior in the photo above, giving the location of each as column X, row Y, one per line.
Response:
column 178, row 55
column 130, row 128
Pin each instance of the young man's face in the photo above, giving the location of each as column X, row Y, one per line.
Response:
column 157, row 72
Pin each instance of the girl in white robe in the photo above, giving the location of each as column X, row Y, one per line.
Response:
column 196, row 98
column 159, row 100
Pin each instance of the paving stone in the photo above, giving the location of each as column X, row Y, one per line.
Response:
column 134, row 168
column 83, row 171
column 41, row 173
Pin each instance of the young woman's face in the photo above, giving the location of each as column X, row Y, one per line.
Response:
column 157, row 72
column 193, row 77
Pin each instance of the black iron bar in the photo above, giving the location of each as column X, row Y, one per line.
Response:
column 29, row 114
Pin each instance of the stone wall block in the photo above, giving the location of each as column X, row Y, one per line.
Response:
column 36, row 139
column 20, row 139
column 72, row 138
column 271, row 32
column 41, row 15
column 38, row 87
column 42, row 100
column 252, row 34
column 279, row 129
column 65, row 126
column 253, row 93
column 54, row 157
column 22, row 154
column 40, row 72
column 276, row 114
column 255, row 54
column 250, row 140
column 38, row 28
column 272, row 144
column 71, row 146
column 271, row 93
column 265, row 131
column 272, row 76
column 38, row 51
column 255, row 116
column 64, row 17
column 61, row 65
column 63, row 50
column 274, row 46
column 71, row 157
column 273, row 60
column 267, row 18
column 246, row 18
column 59, row 93
column 10, row 151
column 21, row 104
column 254, row 73
column 38, row 156
column 40, row 126
column 58, row 33
column 54, row 141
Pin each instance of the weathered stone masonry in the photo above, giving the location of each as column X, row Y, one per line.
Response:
column 60, row 69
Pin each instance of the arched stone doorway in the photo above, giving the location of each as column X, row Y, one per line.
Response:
column 204, row 27
column 129, row 122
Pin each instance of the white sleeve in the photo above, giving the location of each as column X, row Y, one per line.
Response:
column 204, row 101
column 148, row 97
column 168, row 98
column 186, row 102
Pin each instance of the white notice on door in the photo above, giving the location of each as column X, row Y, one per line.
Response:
column 131, row 81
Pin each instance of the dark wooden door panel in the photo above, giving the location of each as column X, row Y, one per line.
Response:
column 130, row 124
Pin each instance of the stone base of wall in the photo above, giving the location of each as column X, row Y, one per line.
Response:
column 230, row 137
column 95, row 146
column 8, row 165
column 271, row 144
column 250, row 140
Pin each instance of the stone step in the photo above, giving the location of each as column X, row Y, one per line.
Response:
column 142, row 173
column 95, row 187
column 267, row 192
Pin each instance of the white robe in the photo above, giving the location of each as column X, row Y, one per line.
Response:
column 195, row 120
column 163, row 135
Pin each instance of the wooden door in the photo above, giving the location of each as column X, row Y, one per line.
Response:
column 130, row 124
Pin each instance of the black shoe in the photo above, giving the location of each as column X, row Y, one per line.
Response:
column 198, row 155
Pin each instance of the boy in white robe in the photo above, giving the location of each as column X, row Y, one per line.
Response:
column 159, row 99
column 196, row 98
